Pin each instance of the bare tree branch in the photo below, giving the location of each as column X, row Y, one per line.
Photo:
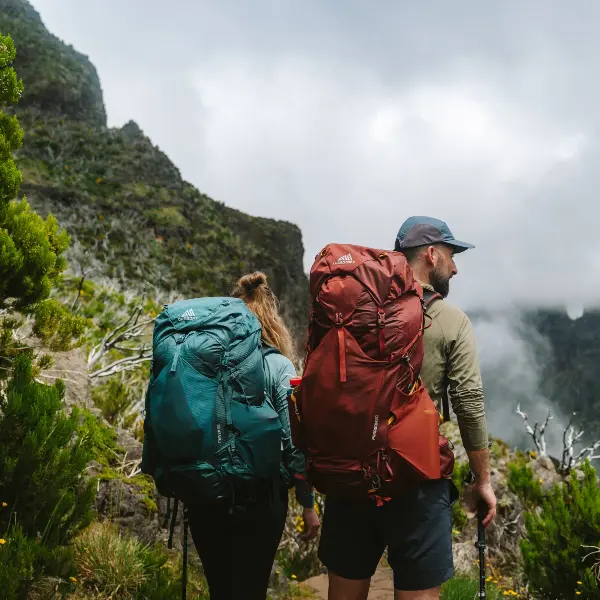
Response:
column 84, row 275
column 570, row 461
column 537, row 432
column 131, row 328
column 124, row 364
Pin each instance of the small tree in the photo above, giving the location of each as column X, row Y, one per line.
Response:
column 44, row 499
column 43, row 456
column 31, row 248
column 554, row 547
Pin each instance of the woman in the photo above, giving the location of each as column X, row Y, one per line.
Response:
column 238, row 550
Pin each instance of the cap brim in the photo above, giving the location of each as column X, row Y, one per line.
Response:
column 460, row 246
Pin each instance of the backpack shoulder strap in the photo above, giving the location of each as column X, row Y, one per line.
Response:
column 267, row 349
column 429, row 297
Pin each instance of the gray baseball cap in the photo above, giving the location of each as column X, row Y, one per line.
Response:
column 421, row 231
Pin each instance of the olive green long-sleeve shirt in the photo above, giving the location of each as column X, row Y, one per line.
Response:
column 451, row 363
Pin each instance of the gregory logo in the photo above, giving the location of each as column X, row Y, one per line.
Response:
column 344, row 260
column 188, row 315
column 375, row 425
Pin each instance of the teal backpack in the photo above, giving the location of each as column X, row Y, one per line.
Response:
column 210, row 430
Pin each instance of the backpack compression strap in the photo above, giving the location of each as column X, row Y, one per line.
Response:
column 428, row 298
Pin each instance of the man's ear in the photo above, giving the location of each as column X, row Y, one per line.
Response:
column 431, row 255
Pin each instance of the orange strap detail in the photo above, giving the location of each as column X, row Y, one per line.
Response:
column 342, row 345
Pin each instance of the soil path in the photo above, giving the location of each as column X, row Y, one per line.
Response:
column 382, row 587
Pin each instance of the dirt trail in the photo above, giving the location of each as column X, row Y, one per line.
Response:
column 382, row 587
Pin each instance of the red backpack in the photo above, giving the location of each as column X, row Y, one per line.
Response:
column 360, row 412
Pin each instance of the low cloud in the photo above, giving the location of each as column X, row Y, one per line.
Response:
column 345, row 120
column 513, row 356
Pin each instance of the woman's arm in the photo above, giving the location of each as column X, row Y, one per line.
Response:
column 294, row 459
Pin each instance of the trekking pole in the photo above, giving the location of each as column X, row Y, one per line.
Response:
column 480, row 545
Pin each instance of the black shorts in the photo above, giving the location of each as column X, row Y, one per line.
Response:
column 415, row 526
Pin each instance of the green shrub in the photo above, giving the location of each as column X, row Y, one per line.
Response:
column 554, row 544
column 459, row 516
column 522, row 481
column 18, row 561
column 113, row 398
column 43, row 455
column 119, row 567
column 299, row 559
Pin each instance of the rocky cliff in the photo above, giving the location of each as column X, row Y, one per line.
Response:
column 121, row 198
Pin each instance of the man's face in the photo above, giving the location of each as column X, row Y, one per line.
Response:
column 444, row 268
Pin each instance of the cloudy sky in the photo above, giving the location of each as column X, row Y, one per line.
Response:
column 346, row 117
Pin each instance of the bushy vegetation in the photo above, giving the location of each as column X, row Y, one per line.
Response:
column 299, row 559
column 116, row 566
column 559, row 536
column 45, row 501
column 32, row 248
column 522, row 481
column 459, row 516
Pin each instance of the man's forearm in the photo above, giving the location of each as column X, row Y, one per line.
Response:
column 480, row 464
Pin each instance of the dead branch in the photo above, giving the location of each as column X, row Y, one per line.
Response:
column 87, row 255
column 537, row 432
column 130, row 329
column 572, row 436
column 596, row 566
column 124, row 364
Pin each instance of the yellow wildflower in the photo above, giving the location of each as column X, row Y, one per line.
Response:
column 580, row 583
column 4, row 505
column 2, row 542
column 578, row 593
column 73, row 580
column 294, row 577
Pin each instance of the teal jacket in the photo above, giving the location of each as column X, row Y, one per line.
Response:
column 278, row 371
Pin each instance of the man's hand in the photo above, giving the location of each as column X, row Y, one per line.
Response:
column 483, row 493
column 311, row 524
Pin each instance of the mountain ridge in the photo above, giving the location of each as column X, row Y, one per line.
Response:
column 105, row 184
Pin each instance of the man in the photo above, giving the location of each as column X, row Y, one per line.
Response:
column 417, row 526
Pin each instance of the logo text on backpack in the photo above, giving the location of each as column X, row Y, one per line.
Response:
column 219, row 434
column 188, row 315
column 375, row 425
column 344, row 260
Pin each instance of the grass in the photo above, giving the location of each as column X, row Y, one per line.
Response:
column 463, row 588
column 115, row 566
